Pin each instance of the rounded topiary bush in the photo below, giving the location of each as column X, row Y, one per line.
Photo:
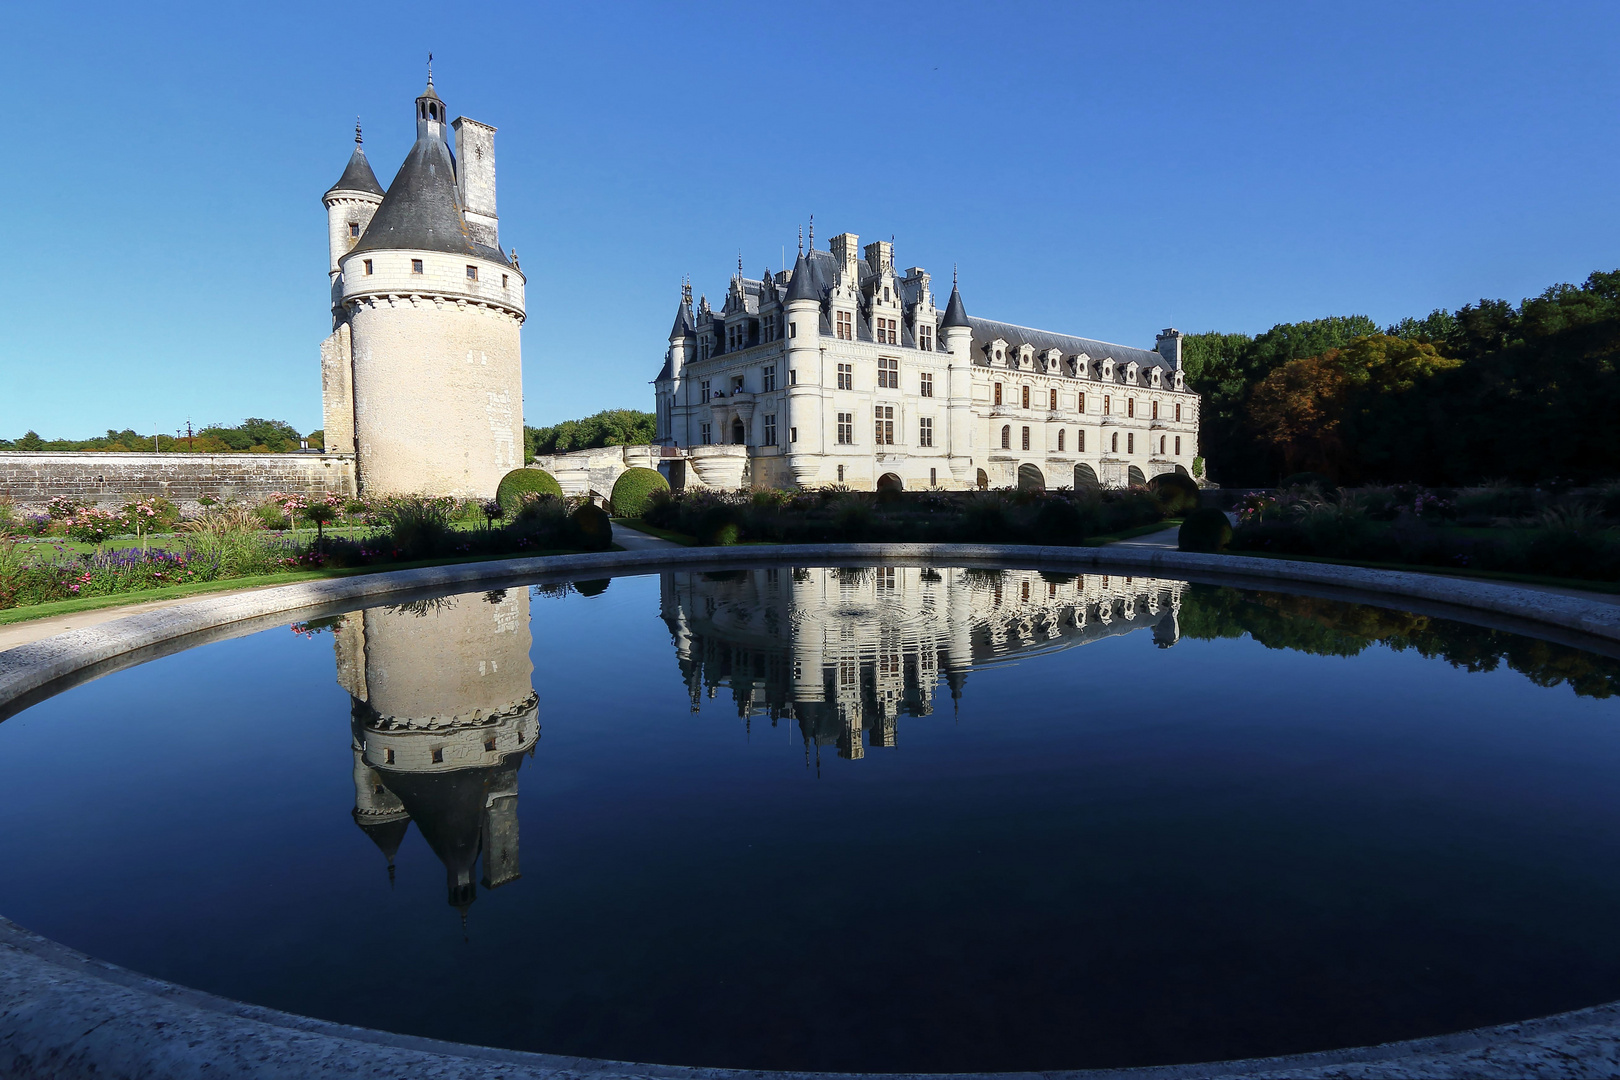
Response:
column 591, row 527
column 634, row 489
column 521, row 482
column 1176, row 492
column 1205, row 530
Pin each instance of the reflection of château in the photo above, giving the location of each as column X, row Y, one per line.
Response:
column 443, row 709
column 846, row 651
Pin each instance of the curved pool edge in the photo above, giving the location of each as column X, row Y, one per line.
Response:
column 63, row 1014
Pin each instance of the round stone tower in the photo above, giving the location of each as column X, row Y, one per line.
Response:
column 431, row 309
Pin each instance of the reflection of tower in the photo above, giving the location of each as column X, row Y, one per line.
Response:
column 443, row 709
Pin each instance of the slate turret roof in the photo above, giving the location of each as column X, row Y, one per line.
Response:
column 357, row 175
column 422, row 209
column 956, row 311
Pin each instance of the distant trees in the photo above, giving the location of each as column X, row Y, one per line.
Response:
column 253, row 435
column 611, row 427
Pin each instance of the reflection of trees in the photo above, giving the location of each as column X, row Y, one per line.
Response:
column 443, row 708
column 1338, row 628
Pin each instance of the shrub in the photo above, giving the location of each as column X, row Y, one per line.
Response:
column 418, row 526
column 718, row 525
column 1058, row 521
column 592, row 529
column 520, row 482
column 1178, row 494
column 1307, row 479
column 1205, row 530
column 634, row 489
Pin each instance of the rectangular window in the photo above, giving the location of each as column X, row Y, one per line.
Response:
column 1081, row 406
column 1130, row 442
column 1026, row 437
column 927, row 384
column 503, row 280
column 472, row 273
column 1178, row 446
column 793, row 329
column 793, row 376
column 706, row 433
column 416, row 266
column 770, row 429
column 846, row 434
column 888, row 373
column 1155, row 410
column 846, row 376
column 1080, row 442
column 925, row 435
column 368, row 268
column 925, row 338
column 703, row 388
column 1178, row 404
column 736, row 384
column 1053, row 405
column 793, row 434
column 840, row 474
column 846, row 326
column 354, row 230
column 883, row 428
column 933, row 477
column 769, row 378
column 998, row 394
column 1025, row 396
column 1108, row 404
column 888, row 331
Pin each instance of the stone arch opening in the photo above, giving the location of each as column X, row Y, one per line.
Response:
column 983, row 480
column 890, row 482
column 1030, row 478
column 1134, row 476
column 738, row 434
column 1085, row 476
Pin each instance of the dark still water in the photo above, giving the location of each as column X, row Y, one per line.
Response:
column 877, row 819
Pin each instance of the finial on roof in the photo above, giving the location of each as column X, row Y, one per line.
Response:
column 812, row 232
column 739, row 262
column 357, row 139
column 953, row 275
column 430, row 71
column 801, row 239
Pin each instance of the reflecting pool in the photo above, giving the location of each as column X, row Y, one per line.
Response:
column 878, row 818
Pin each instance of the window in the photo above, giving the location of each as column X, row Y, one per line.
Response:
column 1053, row 401
column 845, row 327
column 846, row 434
column 736, row 384
column 1080, row 442
column 840, row 474
column 1006, row 436
column 388, row 757
column 1178, row 404
column 503, row 280
column 706, row 433
column 793, row 329
column 1130, row 406
column 1026, row 436
column 1082, row 403
column 933, row 477
column 1060, row 440
column 793, row 434
column 1130, row 443
column 793, row 376
column 1025, row 396
column 1178, row 446
column 438, row 755
column 1161, row 445
column 1155, row 410
column 925, row 338
column 888, row 331
column 703, row 388
column 925, row 435
column 472, row 272
column 1108, row 405
column 1023, row 591
column 706, row 347
column 354, row 230
column 884, row 427
column 769, row 378
column 927, row 384
column 888, row 373
column 1114, row 444
column 368, row 268
column 846, row 376
column 770, row 429
column 998, row 393
column 416, row 266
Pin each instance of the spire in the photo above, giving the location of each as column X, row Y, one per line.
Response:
column 955, row 312
column 812, row 232
column 683, row 316
column 357, row 174
column 801, row 239
column 357, row 139
column 801, row 287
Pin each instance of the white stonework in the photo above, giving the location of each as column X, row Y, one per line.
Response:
column 422, row 375
column 853, row 375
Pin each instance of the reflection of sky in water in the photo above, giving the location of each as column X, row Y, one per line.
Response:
column 876, row 819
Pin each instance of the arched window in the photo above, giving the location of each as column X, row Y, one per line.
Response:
column 1060, row 440
column 1161, row 444
column 1006, row 436
column 1026, row 437
column 1114, row 444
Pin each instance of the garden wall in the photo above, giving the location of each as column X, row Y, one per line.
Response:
column 32, row 478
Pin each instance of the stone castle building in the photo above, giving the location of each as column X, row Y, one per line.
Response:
column 845, row 370
column 422, row 375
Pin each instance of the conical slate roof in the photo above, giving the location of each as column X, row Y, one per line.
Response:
column 800, row 287
column 422, row 210
column 357, row 175
column 956, row 311
column 683, row 323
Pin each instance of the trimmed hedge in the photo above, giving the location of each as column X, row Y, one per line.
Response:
column 521, row 482
column 1178, row 493
column 1206, row 530
column 634, row 489
column 593, row 530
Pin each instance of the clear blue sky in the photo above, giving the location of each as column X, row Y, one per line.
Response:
column 1104, row 169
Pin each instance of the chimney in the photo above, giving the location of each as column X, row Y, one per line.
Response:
column 843, row 248
column 1168, row 345
column 475, row 179
column 880, row 256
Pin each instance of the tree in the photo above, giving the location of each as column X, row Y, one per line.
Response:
column 611, row 427
column 31, row 441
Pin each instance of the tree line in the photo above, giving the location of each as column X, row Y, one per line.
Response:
column 1491, row 391
column 253, row 435
column 611, row 427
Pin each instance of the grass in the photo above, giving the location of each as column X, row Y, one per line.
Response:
column 9, row 616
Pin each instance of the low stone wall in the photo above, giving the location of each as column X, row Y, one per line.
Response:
column 33, row 479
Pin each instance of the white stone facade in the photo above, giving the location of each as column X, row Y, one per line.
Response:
column 422, row 376
column 858, row 377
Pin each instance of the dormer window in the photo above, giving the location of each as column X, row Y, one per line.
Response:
column 885, row 294
column 846, row 326
column 925, row 338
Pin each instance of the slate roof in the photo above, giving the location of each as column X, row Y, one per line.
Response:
column 422, row 209
column 956, row 312
column 988, row 330
column 805, row 283
column 357, row 175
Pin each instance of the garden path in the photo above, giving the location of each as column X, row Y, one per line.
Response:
column 635, row 540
